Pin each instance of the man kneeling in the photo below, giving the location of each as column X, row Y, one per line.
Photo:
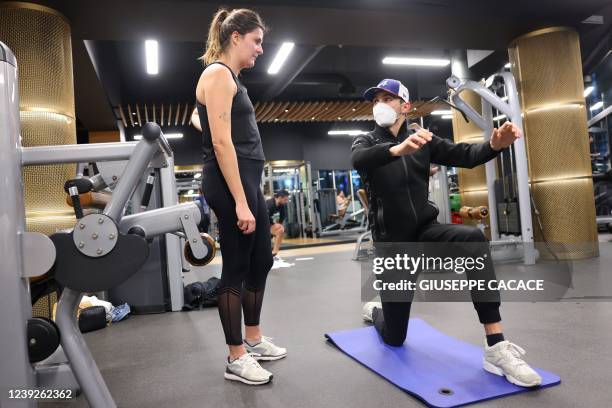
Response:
column 400, row 212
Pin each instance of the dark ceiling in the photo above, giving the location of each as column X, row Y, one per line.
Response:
column 339, row 45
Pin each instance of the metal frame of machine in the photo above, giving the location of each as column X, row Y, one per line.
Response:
column 501, row 249
column 101, row 251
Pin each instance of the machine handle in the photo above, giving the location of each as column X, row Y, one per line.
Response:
column 146, row 197
column 83, row 185
column 76, row 202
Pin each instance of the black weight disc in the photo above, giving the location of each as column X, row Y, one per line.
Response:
column 43, row 338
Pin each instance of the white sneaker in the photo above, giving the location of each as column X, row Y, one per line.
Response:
column 266, row 350
column 281, row 263
column 368, row 308
column 247, row 370
column 504, row 359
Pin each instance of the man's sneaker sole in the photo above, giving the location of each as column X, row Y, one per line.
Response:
column 235, row 377
column 269, row 358
column 498, row 371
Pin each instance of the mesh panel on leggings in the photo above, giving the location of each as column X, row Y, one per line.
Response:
column 251, row 305
column 230, row 312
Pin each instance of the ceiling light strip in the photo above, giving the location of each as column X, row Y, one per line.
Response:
column 420, row 62
column 280, row 58
column 152, row 57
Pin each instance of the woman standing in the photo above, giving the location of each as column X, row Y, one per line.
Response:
column 233, row 166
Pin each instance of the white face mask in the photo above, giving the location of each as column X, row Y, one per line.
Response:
column 384, row 115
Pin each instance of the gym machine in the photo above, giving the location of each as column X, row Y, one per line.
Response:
column 100, row 252
column 509, row 247
column 343, row 223
column 157, row 286
column 294, row 176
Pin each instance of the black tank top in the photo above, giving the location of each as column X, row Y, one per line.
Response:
column 245, row 134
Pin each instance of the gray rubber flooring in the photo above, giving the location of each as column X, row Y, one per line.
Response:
column 176, row 360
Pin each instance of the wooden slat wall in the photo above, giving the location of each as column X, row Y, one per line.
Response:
column 280, row 112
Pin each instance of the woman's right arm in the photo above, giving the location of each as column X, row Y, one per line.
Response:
column 216, row 90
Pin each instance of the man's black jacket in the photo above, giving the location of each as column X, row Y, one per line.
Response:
column 398, row 187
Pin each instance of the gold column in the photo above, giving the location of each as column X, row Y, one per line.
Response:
column 548, row 71
column 40, row 38
column 472, row 182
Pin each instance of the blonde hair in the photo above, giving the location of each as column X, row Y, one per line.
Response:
column 223, row 24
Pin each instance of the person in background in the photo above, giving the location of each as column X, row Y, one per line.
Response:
column 276, row 205
column 205, row 224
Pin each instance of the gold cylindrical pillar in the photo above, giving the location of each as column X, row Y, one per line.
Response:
column 472, row 182
column 40, row 38
column 548, row 71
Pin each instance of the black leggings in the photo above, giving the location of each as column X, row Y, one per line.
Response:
column 247, row 258
column 392, row 322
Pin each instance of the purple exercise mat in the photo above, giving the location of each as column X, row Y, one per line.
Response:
column 433, row 367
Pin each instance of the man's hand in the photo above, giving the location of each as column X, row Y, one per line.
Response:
column 503, row 137
column 412, row 144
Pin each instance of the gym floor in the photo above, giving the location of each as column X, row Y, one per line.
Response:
column 177, row 359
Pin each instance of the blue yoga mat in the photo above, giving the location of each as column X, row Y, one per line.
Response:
column 433, row 367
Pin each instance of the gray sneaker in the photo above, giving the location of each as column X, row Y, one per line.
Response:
column 266, row 350
column 505, row 359
column 247, row 370
column 368, row 308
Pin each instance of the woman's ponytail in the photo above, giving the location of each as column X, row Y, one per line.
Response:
column 214, row 43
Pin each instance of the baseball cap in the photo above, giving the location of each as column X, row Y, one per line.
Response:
column 392, row 86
